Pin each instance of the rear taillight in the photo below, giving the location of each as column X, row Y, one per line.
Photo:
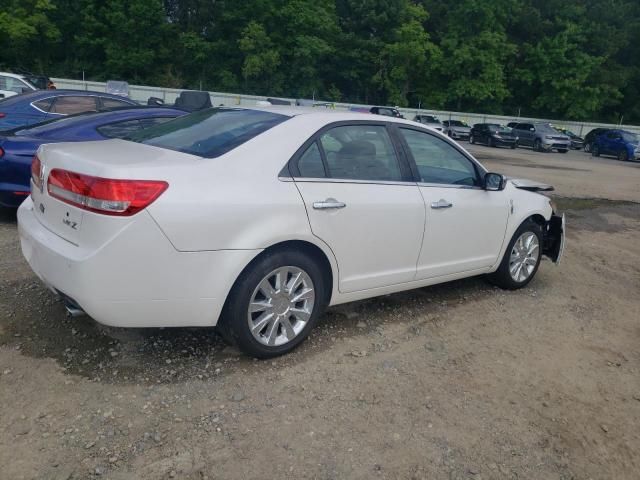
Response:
column 2, row 115
column 1, row 152
column 103, row 195
column 36, row 170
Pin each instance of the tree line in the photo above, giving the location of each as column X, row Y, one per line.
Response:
column 576, row 59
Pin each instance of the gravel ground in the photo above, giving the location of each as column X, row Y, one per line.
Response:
column 457, row 381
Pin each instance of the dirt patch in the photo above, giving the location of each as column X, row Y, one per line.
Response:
column 456, row 381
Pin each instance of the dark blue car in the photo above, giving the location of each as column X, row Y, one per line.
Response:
column 17, row 147
column 41, row 105
column 619, row 143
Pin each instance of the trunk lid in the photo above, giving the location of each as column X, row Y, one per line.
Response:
column 111, row 159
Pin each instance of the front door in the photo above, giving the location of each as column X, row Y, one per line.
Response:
column 362, row 203
column 465, row 225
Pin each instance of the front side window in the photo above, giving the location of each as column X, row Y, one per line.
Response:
column 70, row 105
column 360, row 152
column 438, row 161
column 13, row 84
column 209, row 133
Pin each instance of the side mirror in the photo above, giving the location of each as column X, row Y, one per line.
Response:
column 494, row 182
column 532, row 129
column 25, row 89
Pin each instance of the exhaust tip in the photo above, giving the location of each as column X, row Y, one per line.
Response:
column 74, row 311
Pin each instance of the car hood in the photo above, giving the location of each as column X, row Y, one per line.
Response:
column 531, row 185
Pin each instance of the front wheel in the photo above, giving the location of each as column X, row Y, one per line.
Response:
column 587, row 147
column 472, row 140
column 595, row 151
column 521, row 259
column 274, row 304
column 537, row 146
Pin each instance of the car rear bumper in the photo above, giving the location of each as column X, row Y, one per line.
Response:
column 12, row 196
column 137, row 278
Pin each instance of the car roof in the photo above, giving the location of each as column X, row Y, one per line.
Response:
column 13, row 75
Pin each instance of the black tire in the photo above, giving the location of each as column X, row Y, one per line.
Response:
column 472, row 140
column 491, row 142
column 514, row 145
column 562, row 151
column 502, row 277
column 587, row 147
column 537, row 146
column 623, row 156
column 233, row 324
column 595, row 151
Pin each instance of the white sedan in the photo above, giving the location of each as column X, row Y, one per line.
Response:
column 256, row 219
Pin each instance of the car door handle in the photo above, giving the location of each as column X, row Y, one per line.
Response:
column 329, row 203
column 442, row 203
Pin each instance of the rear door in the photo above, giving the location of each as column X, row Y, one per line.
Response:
column 362, row 202
column 526, row 133
column 465, row 224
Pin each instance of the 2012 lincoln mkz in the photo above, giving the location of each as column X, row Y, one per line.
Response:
column 254, row 220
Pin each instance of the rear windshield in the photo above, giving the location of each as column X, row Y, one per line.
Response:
column 209, row 133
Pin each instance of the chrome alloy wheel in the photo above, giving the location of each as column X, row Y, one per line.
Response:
column 280, row 306
column 524, row 257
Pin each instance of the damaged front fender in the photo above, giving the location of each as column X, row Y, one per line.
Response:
column 554, row 238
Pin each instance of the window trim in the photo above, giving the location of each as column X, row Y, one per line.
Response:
column 291, row 169
column 479, row 169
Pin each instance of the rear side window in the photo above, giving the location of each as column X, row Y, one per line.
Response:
column 44, row 104
column 310, row 164
column 209, row 133
column 69, row 105
column 360, row 152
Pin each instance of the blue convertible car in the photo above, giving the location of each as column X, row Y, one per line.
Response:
column 18, row 146
column 41, row 105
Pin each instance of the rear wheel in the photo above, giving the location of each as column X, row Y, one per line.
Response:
column 521, row 259
column 623, row 156
column 595, row 151
column 472, row 140
column 587, row 147
column 274, row 304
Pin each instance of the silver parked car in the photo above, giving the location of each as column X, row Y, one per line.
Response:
column 457, row 129
column 542, row 137
column 429, row 120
